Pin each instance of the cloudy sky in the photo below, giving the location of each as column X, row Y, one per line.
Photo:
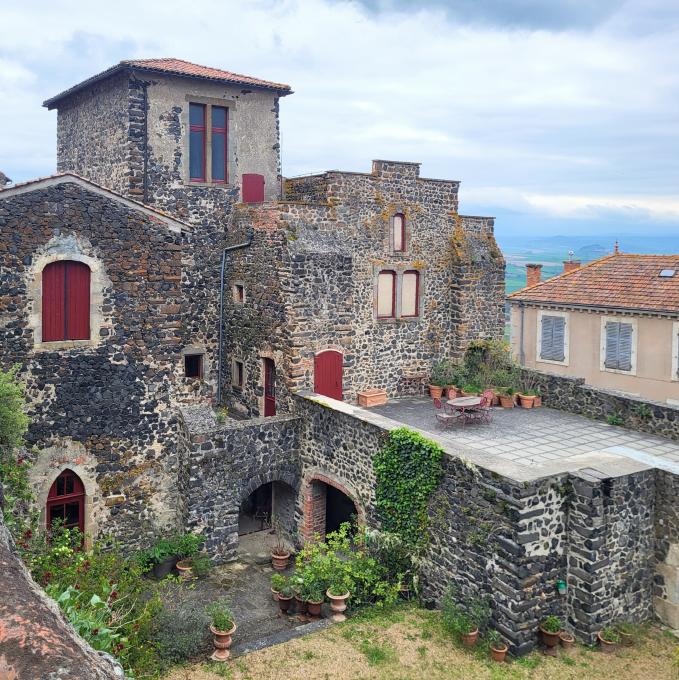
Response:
column 559, row 116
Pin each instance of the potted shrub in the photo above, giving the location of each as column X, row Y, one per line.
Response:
column 284, row 595
column 506, row 396
column 296, row 583
column 527, row 399
column 280, row 555
column 159, row 559
column 312, row 592
column 550, row 629
column 442, row 375
column 626, row 632
column 537, row 402
column 338, row 593
column 464, row 617
column 186, row 546
column 222, row 628
column 567, row 640
column 498, row 648
column 608, row 639
column 201, row 565
column 278, row 582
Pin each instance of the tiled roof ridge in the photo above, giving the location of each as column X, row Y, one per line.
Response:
column 516, row 293
column 58, row 175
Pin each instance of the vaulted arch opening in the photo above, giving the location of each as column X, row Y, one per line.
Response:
column 66, row 502
column 327, row 505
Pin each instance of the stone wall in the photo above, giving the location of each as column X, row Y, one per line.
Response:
column 102, row 407
column 574, row 396
column 666, row 582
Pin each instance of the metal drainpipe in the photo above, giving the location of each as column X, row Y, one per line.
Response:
column 522, row 354
column 226, row 250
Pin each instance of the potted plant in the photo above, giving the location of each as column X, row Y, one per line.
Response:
column 222, row 628
column 441, row 376
column 186, row 546
column 608, row 639
column 527, row 399
column 296, row 582
column 471, row 390
column 278, row 582
column 498, row 648
column 626, row 632
column 280, row 555
column 507, row 397
column 312, row 593
column 159, row 559
column 550, row 629
column 338, row 593
column 567, row 640
column 284, row 595
column 464, row 617
column 537, row 402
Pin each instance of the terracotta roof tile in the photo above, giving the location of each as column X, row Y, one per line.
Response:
column 172, row 66
column 618, row 281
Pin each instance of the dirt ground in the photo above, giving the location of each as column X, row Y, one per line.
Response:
column 408, row 644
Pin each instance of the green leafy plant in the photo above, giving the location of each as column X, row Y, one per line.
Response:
column 181, row 629
column 462, row 616
column 201, row 565
column 495, row 639
column 626, row 627
column 470, row 388
column 643, row 411
column 221, row 616
column 615, row 419
column 278, row 581
column 443, row 373
column 407, row 470
column 552, row 624
column 610, row 634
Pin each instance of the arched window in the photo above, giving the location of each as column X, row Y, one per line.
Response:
column 66, row 501
column 410, row 293
column 399, row 232
column 386, row 294
column 65, row 301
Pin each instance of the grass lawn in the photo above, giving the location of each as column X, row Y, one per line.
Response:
column 407, row 643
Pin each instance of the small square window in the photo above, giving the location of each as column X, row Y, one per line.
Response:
column 193, row 365
column 237, row 374
column 239, row 293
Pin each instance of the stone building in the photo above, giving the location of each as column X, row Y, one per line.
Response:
column 168, row 264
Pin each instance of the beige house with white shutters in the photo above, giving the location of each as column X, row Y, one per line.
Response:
column 613, row 322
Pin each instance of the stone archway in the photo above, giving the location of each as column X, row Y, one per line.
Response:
column 327, row 503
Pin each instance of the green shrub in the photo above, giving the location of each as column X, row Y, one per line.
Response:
column 13, row 421
column 201, row 565
column 610, row 634
column 181, row 631
column 175, row 545
column 278, row 581
column 552, row 624
column 220, row 615
column 462, row 616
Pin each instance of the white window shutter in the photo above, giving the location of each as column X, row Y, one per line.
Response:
column 558, row 338
column 612, row 336
column 625, row 347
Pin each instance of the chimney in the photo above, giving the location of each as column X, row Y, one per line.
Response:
column 533, row 274
column 4, row 180
column 570, row 265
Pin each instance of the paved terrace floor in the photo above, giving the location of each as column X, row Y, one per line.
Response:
column 531, row 443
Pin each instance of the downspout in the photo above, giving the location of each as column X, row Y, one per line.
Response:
column 226, row 250
column 522, row 354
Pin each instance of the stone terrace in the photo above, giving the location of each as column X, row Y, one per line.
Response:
column 527, row 444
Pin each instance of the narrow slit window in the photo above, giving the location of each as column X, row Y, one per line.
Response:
column 239, row 293
column 193, row 365
column 237, row 374
column 220, row 115
column 399, row 231
column 410, row 293
column 197, row 142
column 386, row 294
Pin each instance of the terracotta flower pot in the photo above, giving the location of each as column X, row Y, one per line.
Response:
column 550, row 639
column 185, row 569
column 537, row 402
column 527, row 400
column 314, row 608
column 280, row 562
column 284, row 603
column 274, row 594
column 470, row 639
column 435, row 392
column 498, row 653
column 301, row 605
column 451, row 391
column 626, row 639
column 338, row 604
column 606, row 646
column 567, row 640
column 506, row 401
column 222, row 642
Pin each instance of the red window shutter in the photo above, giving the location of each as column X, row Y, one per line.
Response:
column 77, row 301
column 253, row 188
column 53, row 302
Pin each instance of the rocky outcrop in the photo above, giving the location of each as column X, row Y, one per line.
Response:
column 36, row 641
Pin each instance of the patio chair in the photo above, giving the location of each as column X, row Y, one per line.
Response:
column 485, row 411
column 443, row 416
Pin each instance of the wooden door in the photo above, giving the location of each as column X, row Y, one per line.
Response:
column 269, row 387
column 328, row 374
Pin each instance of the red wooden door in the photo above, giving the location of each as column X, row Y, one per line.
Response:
column 328, row 374
column 66, row 501
column 253, row 188
column 269, row 387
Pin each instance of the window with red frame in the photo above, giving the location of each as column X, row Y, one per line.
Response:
column 66, row 502
column 386, row 295
column 399, row 232
column 220, row 117
column 410, row 293
column 65, row 301
column 197, row 142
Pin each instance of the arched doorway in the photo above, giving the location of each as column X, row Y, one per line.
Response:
column 327, row 505
column 328, row 374
column 66, row 502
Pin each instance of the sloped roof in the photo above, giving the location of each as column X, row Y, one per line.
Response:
column 618, row 281
column 172, row 66
column 71, row 178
